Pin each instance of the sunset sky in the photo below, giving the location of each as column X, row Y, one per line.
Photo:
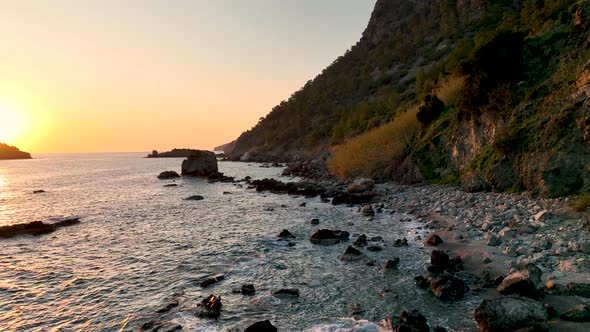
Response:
column 131, row 75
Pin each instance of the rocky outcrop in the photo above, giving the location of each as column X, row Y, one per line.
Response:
column 200, row 163
column 12, row 152
column 174, row 153
column 509, row 314
column 35, row 228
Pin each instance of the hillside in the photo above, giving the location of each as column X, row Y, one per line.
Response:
column 500, row 89
column 11, row 152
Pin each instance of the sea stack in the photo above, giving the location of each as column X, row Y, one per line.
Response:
column 200, row 163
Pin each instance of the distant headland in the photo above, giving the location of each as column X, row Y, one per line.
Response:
column 12, row 152
column 175, row 153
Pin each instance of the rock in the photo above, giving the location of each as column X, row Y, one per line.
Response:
column 170, row 185
column 287, row 291
column 168, row 175
column 175, row 153
column 327, row 236
column 410, row 321
column 439, row 258
column 360, row 185
column 38, row 191
column 579, row 289
column 448, row 287
column 376, row 238
column 401, row 243
column 212, row 280
column 580, row 313
column 285, row 234
column 391, row 264
column 248, row 289
column 573, row 265
column 433, row 240
column 35, row 228
column 351, row 254
column 347, row 198
column 368, row 211
column 200, row 163
column 263, row 326
column 509, row 314
column 542, row 216
column 174, row 328
column 486, row 260
column 507, row 233
column 169, row 306
column 518, row 283
column 422, row 282
column 210, row 307
column 375, row 248
column 361, row 241
column 314, row 221
column 195, row 198
column 492, row 240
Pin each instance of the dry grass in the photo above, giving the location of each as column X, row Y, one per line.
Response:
column 450, row 90
column 581, row 203
column 370, row 153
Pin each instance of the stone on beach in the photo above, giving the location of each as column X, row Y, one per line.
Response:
column 448, row 287
column 508, row 314
column 360, row 185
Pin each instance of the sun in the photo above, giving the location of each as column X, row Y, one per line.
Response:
column 12, row 121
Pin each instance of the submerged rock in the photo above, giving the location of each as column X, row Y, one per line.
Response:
column 35, row 228
column 286, row 234
column 410, row 321
column 351, row 254
column 433, row 240
column 401, row 243
column 169, row 306
column 327, row 236
column 166, row 175
column 41, row 191
column 508, row 314
column 210, row 307
column 391, row 264
column 195, row 198
column 263, row 326
column 360, row 241
column 248, row 289
column 212, row 280
column 287, row 291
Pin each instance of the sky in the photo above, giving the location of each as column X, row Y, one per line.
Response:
column 131, row 75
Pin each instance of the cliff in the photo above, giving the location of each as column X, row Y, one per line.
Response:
column 511, row 78
column 11, row 152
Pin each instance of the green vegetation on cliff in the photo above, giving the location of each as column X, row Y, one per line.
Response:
column 500, row 88
column 11, row 152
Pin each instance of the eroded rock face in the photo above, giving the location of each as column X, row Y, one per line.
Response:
column 510, row 314
column 200, row 163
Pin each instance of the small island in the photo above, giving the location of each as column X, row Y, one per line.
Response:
column 175, row 153
column 12, row 152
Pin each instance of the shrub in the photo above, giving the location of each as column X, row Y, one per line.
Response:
column 450, row 90
column 430, row 110
column 581, row 203
column 369, row 153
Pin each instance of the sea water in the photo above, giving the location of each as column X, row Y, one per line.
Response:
column 140, row 245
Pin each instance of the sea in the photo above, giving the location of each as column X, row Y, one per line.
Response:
column 141, row 245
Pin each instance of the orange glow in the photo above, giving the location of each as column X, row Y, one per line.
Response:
column 12, row 121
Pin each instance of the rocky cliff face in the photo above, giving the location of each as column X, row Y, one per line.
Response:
column 521, row 120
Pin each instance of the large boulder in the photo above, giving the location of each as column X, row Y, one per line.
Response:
column 360, row 185
column 327, row 236
column 524, row 282
column 200, row 163
column 509, row 314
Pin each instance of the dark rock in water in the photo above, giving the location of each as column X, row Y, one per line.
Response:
column 410, row 321
column 579, row 289
column 248, row 289
column 508, row 314
column 212, row 280
column 292, row 244
column 264, row 326
column 435, row 270
column 175, row 153
column 287, row 291
column 168, row 175
column 580, row 313
column 169, row 306
column 346, row 198
column 422, row 282
column 286, row 234
column 327, row 236
column 368, row 211
column 150, row 325
column 303, row 204
column 360, row 185
column 278, row 187
column 219, row 177
column 375, row 248
column 170, row 185
column 38, row 191
column 439, row 258
column 195, row 198
column 524, row 282
column 200, row 163
column 433, row 240
column 361, row 241
column 174, row 328
column 351, row 254
column 391, row 264
column 210, row 307
column 314, row 221
column 448, row 287
column 401, row 243
column 35, row 228
column 498, row 280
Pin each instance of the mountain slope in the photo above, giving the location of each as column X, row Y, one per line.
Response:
column 512, row 76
